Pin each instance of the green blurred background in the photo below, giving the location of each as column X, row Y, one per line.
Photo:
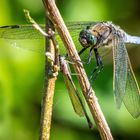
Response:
column 22, row 74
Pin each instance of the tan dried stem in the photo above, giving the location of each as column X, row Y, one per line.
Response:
column 88, row 92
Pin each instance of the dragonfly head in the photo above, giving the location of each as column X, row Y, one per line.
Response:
column 87, row 39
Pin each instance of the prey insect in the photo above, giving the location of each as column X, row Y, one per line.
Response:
column 74, row 95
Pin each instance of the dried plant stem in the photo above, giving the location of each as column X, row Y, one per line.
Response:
column 47, row 102
column 46, row 114
column 49, row 86
column 89, row 94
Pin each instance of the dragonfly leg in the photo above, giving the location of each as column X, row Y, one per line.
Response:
column 81, row 51
column 99, row 66
column 90, row 55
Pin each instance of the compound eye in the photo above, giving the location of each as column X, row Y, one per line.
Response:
column 83, row 38
column 83, row 41
column 92, row 40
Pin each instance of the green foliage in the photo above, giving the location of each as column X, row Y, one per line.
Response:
column 22, row 74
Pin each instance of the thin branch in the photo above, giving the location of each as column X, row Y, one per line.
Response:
column 89, row 94
column 34, row 24
column 51, row 71
column 50, row 78
column 47, row 101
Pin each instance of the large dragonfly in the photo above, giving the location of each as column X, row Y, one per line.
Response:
column 96, row 36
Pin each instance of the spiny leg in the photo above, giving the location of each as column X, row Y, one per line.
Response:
column 82, row 50
column 99, row 66
column 90, row 55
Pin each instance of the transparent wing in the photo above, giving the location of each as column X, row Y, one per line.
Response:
column 132, row 96
column 120, row 70
column 18, row 32
column 23, row 36
column 26, row 37
column 125, row 84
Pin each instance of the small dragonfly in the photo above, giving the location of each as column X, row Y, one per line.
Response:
column 76, row 100
column 96, row 36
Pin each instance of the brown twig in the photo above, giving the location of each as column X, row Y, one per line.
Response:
column 91, row 99
column 51, row 71
column 47, row 102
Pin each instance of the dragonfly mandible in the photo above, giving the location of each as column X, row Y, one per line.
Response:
column 95, row 36
column 125, row 85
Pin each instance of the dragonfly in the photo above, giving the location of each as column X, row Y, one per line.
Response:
column 76, row 100
column 125, row 85
column 96, row 35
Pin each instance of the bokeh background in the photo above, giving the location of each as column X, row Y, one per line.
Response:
column 22, row 74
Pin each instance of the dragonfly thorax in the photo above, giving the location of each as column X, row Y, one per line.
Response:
column 101, row 34
column 87, row 39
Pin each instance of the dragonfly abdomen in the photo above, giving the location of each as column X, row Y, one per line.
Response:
column 132, row 39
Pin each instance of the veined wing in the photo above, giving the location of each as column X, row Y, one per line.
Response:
column 120, row 70
column 132, row 96
column 18, row 32
column 125, row 84
column 28, row 38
